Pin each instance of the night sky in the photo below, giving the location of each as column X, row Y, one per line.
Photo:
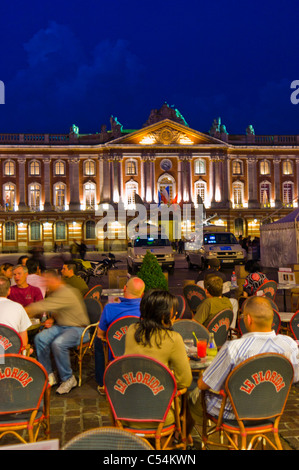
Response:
column 74, row 62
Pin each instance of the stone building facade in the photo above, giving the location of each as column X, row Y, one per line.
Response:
column 53, row 185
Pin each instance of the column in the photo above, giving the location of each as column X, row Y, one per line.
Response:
column 253, row 202
column 47, row 187
column 74, row 204
column 22, row 196
column 277, row 182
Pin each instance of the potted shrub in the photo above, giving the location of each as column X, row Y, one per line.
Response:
column 151, row 273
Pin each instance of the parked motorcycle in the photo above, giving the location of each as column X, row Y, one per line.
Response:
column 88, row 269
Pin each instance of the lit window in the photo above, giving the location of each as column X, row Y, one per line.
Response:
column 9, row 168
column 200, row 192
column 287, row 193
column 237, row 167
column 34, row 168
column 9, row 193
column 131, row 190
column 59, row 196
column 287, row 167
column 265, row 167
column 200, row 167
column 238, row 190
column 34, row 196
column 59, row 168
column 90, row 195
column 89, row 168
column 265, row 191
column 131, row 167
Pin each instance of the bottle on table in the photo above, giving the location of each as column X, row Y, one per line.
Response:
column 212, row 348
column 233, row 279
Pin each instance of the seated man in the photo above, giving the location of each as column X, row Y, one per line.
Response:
column 34, row 277
column 68, row 273
column 213, row 268
column 22, row 292
column 258, row 317
column 62, row 331
column 214, row 303
column 129, row 305
column 12, row 313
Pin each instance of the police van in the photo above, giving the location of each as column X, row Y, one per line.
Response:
column 221, row 245
column 159, row 246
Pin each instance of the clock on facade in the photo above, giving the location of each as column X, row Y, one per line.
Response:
column 166, row 164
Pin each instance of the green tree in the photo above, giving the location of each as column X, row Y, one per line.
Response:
column 152, row 274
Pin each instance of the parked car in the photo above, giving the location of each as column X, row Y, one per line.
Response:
column 221, row 245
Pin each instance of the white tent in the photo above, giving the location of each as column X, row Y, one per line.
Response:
column 280, row 241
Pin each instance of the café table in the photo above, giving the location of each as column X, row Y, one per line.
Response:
column 112, row 294
column 286, row 287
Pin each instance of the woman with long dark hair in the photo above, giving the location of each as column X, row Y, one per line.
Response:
column 153, row 336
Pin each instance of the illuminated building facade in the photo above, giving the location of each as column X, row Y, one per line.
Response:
column 52, row 185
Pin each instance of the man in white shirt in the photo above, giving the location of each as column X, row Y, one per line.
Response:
column 12, row 313
column 258, row 317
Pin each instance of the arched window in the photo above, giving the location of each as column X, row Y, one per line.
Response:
column 59, row 196
column 265, row 193
column 34, row 168
column 238, row 194
column 287, row 167
column 200, row 191
column 288, row 193
column 265, row 167
column 90, row 195
column 59, row 168
column 131, row 190
column 199, row 167
column 9, row 231
column 237, row 167
column 35, row 231
column 34, row 196
column 9, row 168
column 167, row 181
column 60, row 230
column 131, row 167
column 89, row 168
column 9, row 196
column 90, row 230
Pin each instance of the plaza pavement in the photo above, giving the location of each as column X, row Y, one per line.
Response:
column 83, row 408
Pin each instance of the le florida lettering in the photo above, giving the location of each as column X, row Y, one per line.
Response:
column 142, row 378
column 5, row 342
column 260, row 377
column 17, row 374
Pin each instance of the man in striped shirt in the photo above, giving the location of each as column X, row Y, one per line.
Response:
column 258, row 317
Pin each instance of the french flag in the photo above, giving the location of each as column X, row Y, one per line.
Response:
column 163, row 195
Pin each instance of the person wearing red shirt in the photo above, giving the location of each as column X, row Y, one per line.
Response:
column 22, row 292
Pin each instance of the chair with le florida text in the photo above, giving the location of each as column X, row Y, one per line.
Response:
column 144, row 400
column 257, row 390
column 267, row 289
column 116, row 334
column 25, row 398
column 220, row 326
column 294, row 325
column 10, row 340
column 194, row 296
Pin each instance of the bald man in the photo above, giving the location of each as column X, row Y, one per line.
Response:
column 258, row 317
column 129, row 305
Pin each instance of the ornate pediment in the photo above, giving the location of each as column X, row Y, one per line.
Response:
column 166, row 133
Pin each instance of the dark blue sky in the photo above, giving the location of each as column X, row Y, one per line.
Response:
column 74, row 62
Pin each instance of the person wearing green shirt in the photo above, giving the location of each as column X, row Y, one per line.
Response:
column 68, row 273
column 214, row 303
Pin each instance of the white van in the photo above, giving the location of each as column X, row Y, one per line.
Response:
column 221, row 245
column 158, row 246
